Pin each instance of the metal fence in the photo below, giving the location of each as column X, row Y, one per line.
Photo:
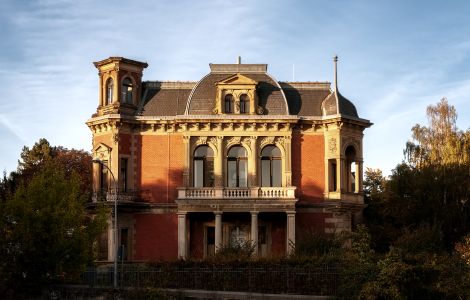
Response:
column 266, row 279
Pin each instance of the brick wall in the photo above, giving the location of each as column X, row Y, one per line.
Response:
column 307, row 222
column 308, row 169
column 156, row 236
column 159, row 166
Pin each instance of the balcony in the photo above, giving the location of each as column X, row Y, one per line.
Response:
column 268, row 193
column 122, row 196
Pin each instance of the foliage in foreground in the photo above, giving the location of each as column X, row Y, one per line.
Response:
column 45, row 232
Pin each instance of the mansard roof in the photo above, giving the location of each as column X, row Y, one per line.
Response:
column 270, row 95
column 305, row 99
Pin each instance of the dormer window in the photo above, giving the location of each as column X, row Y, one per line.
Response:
column 236, row 95
column 229, row 104
column 109, row 91
column 244, row 104
column 126, row 91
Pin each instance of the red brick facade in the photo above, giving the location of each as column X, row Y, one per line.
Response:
column 279, row 160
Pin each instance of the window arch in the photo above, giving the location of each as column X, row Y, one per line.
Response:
column 127, row 90
column 203, row 167
column 244, row 104
column 228, row 103
column 109, row 91
column 350, row 169
column 237, row 167
column 271, row 166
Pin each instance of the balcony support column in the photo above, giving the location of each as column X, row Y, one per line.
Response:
column 218, row 230
column 290, row 232
column 254, row 232
column 182, row 235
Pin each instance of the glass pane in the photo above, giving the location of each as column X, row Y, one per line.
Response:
column 276, row 172
column 271, row 151
column 243, row 173
column 209, row 173
column 265, row 172
column 228, row 103
column 123, row 175
column 104, row 176
column 204, row 151
column 232, row 173
column 237, row 151
column 198, row 173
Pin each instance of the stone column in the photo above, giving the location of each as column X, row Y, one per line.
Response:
column 358, row 183
column 218, row 230
column 219, row 163
column 254, row 232
column 187, row 160
column 339, row 174
column 290, row 232
column 288, row 161
column 182, row 234
column 253, row 163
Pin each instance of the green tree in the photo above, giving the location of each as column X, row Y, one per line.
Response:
column 441, row 142
column 46, row 234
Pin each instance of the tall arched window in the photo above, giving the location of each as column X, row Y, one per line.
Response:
column 350, row 169
column 237, row 167
column 126, row 90
column 271, row 166
column 109, row 91
column 228, row 104
column 203, row 167
column 244, row 104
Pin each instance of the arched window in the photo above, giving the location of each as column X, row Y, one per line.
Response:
column 109, row 91
column 126, row 90
column 203, row 167
column 350, row 169
column 244, row 104
column 228, row 104
column 271, row 166
column 237, row 167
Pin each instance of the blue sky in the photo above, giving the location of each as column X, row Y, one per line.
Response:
column 396, row 57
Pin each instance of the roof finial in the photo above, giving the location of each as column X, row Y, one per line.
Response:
column 335, row 60
column 239, row 59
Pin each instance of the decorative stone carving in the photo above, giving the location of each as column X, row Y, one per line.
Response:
column 202, row 140
column 332, row 146
column 116, row 138
column 213, row 142
column 267, row 141
column 233, row 141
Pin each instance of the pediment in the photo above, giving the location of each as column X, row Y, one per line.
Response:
column 101, row 151
column 237, row 79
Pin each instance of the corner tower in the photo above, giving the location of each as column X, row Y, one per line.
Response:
column 120, row 85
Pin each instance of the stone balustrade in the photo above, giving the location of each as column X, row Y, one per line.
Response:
column 237, row 193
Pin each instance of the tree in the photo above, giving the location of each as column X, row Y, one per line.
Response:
column 45, row 230
column 441, row 142
column 46, row 233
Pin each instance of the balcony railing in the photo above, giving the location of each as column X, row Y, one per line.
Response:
column 237, row 193
column 109, row 195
